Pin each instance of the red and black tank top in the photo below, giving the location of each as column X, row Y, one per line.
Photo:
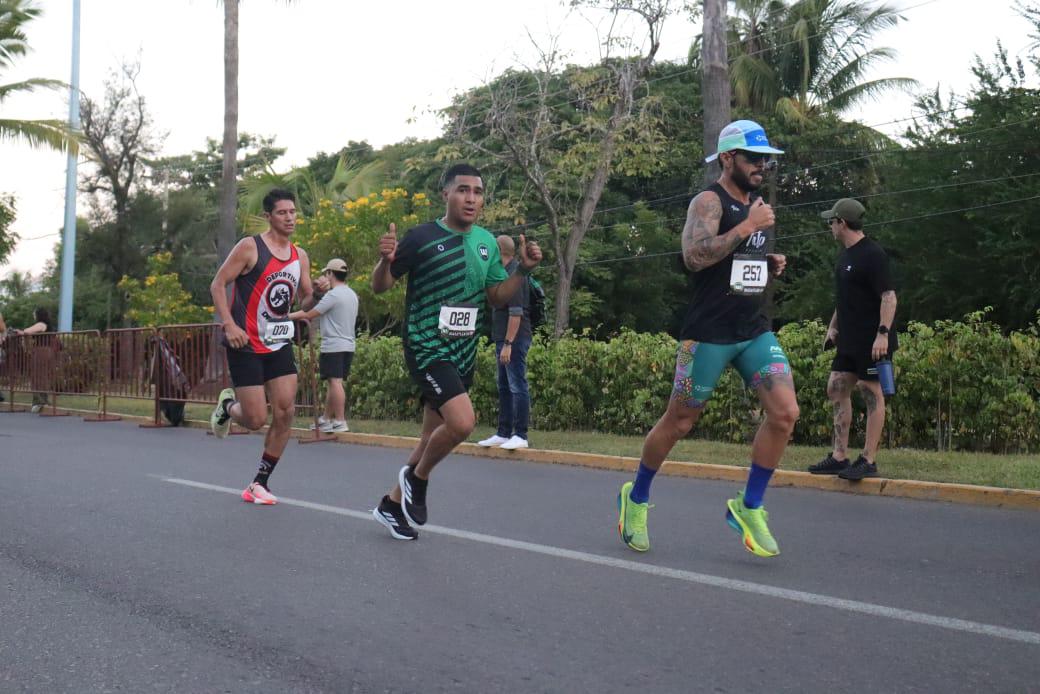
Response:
column 265, row 294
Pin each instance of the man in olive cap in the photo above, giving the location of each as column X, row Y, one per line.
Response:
column 861, row 329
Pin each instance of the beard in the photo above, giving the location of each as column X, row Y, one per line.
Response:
column 743, row 181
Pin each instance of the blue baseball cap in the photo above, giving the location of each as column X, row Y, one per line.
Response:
column 746, row 135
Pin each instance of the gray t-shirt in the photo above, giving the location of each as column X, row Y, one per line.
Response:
column 338, row 309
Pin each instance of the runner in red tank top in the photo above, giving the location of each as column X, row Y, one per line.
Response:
column 268, row 272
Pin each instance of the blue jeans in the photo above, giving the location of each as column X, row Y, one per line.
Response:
column 514, row 402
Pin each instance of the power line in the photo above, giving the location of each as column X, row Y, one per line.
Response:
column 37, row 238
column 668, row 220
column 826, row 231
column 920, row 216
column 890, row 151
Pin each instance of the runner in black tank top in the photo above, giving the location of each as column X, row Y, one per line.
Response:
column 718, row 314
column 727, row 243
column 268, row 271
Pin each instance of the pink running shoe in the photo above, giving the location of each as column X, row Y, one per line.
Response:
column 256, row 494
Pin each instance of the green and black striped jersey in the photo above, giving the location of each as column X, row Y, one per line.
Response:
column 444, row 267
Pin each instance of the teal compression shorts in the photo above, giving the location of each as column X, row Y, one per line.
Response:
column 698, row 366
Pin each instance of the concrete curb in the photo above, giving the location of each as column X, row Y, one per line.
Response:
column 999, row 497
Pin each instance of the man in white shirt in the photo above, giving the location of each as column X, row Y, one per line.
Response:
column 338, row 308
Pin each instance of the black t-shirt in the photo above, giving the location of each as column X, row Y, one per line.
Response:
column 717, row 314
column 518, row 304
column 861, row 276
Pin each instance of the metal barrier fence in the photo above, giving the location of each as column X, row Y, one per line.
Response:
column 172, row 366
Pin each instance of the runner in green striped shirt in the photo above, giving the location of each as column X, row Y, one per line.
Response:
column 453, row 270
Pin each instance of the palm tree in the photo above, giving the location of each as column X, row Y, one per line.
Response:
column 14, row 15
column 229, row 175
column 802, row 59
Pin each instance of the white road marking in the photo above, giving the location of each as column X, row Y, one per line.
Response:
column 1030, row 637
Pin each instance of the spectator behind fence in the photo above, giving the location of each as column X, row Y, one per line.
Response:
column 511, row 332
column 338, row 308
column 42, row 358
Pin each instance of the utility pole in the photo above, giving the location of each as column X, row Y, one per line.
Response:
column 68, row 253
column 715, row 85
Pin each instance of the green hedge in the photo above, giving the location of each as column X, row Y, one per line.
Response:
column 962, row 385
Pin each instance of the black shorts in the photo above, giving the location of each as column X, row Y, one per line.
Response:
column 252, row 369
column 438, row 382
column 334, row 364
column 863, row 365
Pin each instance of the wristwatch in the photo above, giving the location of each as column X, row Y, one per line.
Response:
column 507, row 343
column 882, row 330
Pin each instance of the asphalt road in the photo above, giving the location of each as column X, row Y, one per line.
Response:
column 129, row 564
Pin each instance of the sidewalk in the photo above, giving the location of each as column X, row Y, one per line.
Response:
column 909, row 489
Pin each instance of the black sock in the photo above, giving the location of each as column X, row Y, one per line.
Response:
column 226, row 405
column 267, row 463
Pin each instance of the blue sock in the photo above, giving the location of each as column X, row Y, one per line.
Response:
column 757, row 481
column 640, row 493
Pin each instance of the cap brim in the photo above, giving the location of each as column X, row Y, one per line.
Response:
column 757, row 150
column 829, row 214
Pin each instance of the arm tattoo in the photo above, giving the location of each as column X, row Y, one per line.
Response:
column 702, row 245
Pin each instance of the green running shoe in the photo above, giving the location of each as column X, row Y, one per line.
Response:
column 751, row 524
column 220, row 421
column 631, row 523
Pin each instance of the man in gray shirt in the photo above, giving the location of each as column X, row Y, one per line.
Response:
column 338, row 308
column 511, row 331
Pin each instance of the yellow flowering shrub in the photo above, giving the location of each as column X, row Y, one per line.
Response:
column 160, row 299
column 351, row 231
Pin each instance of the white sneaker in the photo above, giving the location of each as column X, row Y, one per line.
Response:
column 334, row 426
column 514, row 443
column 321, row 422
column 36, row 408
column 495, row 440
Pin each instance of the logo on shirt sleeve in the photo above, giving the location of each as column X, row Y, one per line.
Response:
column 484, row 252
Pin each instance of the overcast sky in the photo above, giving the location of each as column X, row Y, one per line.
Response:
column 318, row 73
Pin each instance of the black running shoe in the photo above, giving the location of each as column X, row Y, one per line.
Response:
column 392, row 517
column 829, row 466
column 858, row 470
column 413, row 495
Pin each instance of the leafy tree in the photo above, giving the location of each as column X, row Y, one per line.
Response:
column 562, row 133
column 8, row 238
column 160, row 299
column 118, row 137
column 971, row 242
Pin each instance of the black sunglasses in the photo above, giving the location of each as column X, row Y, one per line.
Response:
column 755, row 157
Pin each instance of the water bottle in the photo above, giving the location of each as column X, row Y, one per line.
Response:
column 886, row 377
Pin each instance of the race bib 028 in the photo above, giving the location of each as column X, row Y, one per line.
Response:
column 458, row 320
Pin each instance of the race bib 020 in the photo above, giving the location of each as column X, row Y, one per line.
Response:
column 748, row 275
column 279, row 331
column 458, row 320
